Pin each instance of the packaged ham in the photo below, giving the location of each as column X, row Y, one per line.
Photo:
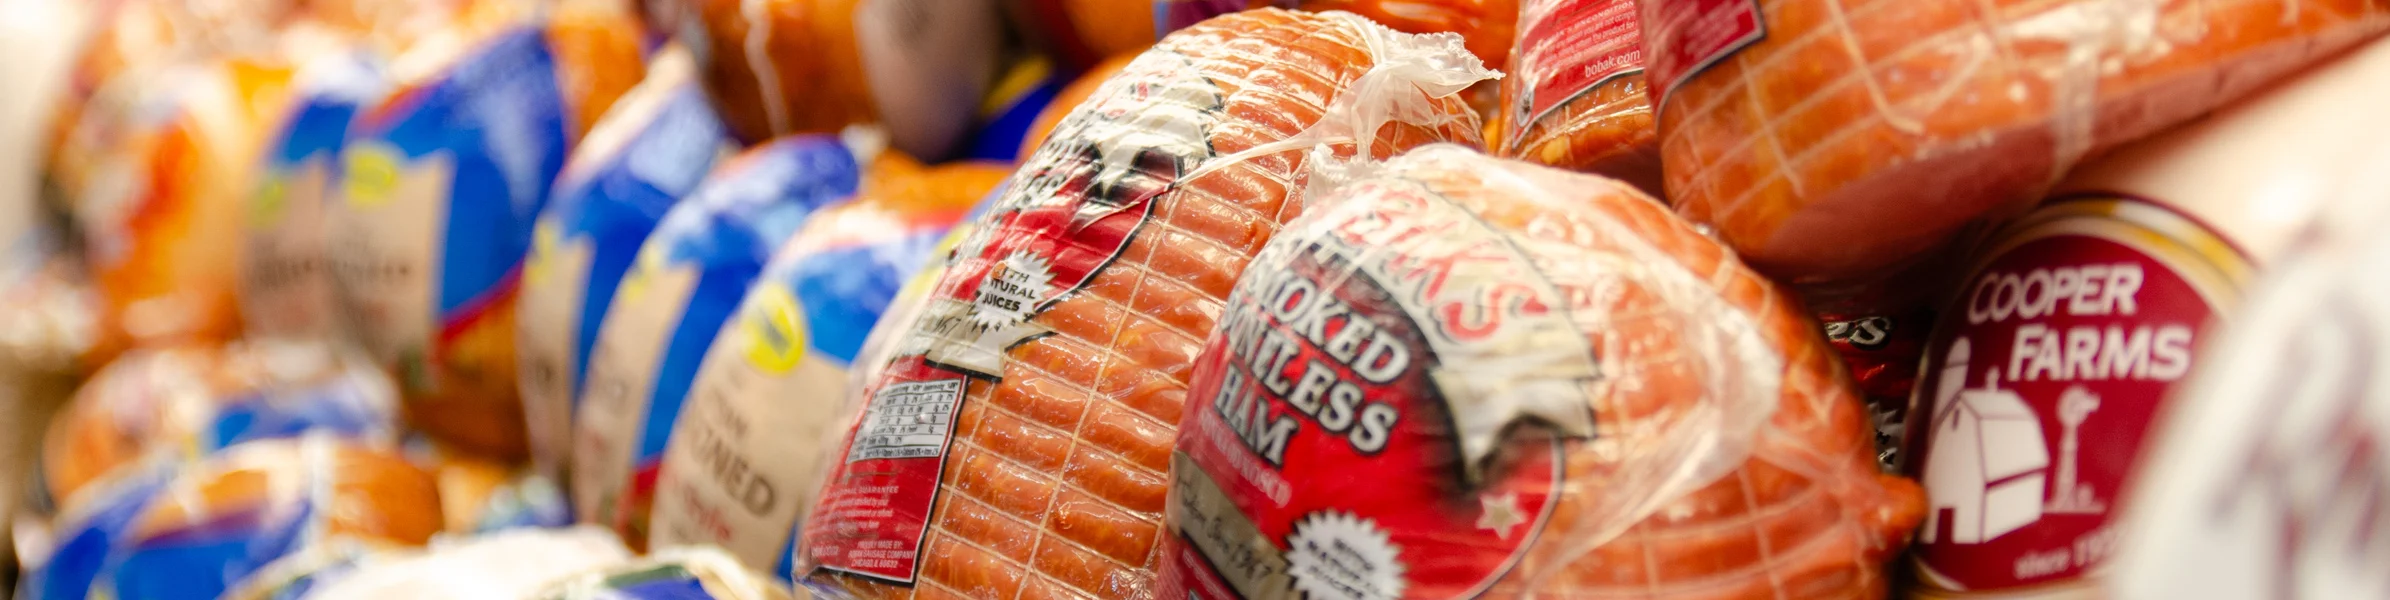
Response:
column 214, row 526
column 285, row 287
column 673, row 574
column 1458, row 375
column 779, row 67
column 1575, row 97
column 771, row 393
column 1830, row 141
column 1487, row 25
column 1017, row 442
column 2075, row 324
column 2262, row 470
column 686, row 281
column 647, row 152
column 1069, row 100
column 157, row 172
column 440, row 181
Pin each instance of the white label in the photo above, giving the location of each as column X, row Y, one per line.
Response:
column 285, row 286
column 745, row 457
column 622, row 376
column 383, row 243
column 547, row 326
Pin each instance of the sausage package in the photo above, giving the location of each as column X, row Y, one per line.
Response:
column 686, row 281
column 440, row 182
column 1831, row 141
column 285, row 285
column 2055, row 359
column 153, row 412
column 647, row 152
column 156, row 171
column 781, row 67
column 1575, row 97
column 1017, row 442
column 1458, row 375
column 771, row 394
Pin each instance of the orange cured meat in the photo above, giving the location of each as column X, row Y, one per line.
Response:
column 1486, row 25
column 1709, row 445
column 1858, row 134
column 1052, row 481
column 1602, row 120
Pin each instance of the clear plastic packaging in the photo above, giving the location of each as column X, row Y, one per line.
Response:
column 1487, row 26
column 1016, row 444
column 687, row 281
column 1838, row 140
column 440, row 182
column 1575, row 96
column 648, row 151
column 1459, row 375
column 768, row 402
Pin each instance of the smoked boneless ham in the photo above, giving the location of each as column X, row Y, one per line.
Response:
column 1034, row 402
column 1831, row 140
column 1461, row 375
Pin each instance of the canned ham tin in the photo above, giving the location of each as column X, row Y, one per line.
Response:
column 2074, row 325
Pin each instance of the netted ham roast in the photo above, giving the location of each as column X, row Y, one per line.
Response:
column 1058, row 342
column 1857, row 133
column 1397, row 373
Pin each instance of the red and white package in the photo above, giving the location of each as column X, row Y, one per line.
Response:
column 1460, row 376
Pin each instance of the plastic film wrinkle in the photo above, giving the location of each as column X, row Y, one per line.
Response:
column 2095, row 34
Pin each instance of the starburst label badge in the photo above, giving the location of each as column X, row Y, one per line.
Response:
column 1381, row 413
column 1072, row 210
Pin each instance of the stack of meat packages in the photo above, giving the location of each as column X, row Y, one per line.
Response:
column 1161, row 299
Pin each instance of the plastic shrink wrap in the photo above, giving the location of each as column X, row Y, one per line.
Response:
column 1458, row 375
column 1837, row 140
column 673, row 574
column 1487, row 25
column 647, row 152
column 771, row 395
column 439, row 185
column 2265, row 466
column 2073, row 326
column 285, row 286
column 1081, row 33
column 1575, row 95
column 511, row 565
column 687, row 281
column 1017, row 444
column 156, row 171
column 779, row 67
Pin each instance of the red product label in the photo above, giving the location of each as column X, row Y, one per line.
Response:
column 1687, row 36
column 1345, row 430
column 1071, row 211
column 1881, row 354
column 2041, row 381
column 1568, row 47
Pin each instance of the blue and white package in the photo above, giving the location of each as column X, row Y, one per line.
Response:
column 772, row 390
column 686, row 281
column 642, row 156
column 286, row 287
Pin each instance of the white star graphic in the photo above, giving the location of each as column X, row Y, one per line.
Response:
column 1501, row 513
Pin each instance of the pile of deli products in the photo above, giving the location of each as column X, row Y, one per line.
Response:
column 1157, row 299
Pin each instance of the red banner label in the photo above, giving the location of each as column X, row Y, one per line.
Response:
column 1686, row 36
column 1566, row 48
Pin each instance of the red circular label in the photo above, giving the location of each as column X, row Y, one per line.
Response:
column 2040, row 382
column 1327, row 447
